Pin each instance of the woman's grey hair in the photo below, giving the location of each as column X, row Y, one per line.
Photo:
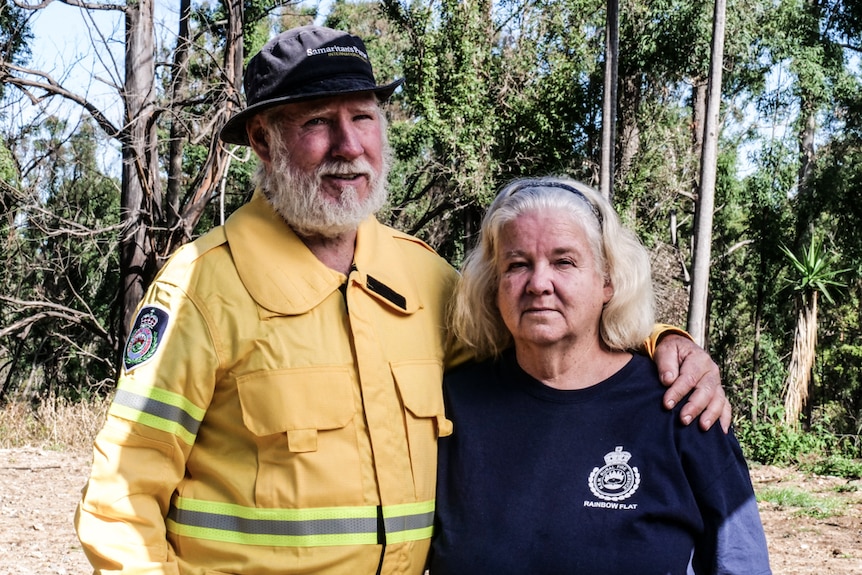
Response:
column 627, row 319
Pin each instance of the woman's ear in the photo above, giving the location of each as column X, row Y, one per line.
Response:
column 608, row 289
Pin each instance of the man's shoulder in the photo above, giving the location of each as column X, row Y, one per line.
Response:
column 415, row 252
column 193, row 252
column 408, row 240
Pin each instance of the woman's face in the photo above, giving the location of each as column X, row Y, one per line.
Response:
column 550, row 291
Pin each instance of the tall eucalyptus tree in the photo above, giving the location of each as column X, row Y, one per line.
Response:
column 609, row 98
column 702, row 253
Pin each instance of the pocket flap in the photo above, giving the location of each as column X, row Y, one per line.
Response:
column 287, row 400
column 420, row 384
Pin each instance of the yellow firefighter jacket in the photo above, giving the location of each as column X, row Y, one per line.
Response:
column 273, row 416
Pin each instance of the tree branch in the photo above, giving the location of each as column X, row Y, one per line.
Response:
column 49, row 309
column 53, row 88
column 85, row 5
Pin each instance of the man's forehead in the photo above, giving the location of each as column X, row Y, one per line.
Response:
column 364, row 101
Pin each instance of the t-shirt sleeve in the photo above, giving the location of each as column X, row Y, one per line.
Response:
column 733, row 541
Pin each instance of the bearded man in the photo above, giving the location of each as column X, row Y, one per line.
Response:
column 279, row 402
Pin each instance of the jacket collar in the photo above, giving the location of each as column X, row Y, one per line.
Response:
column 283, row 276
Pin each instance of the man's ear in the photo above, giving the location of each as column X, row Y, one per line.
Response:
column 257, row 138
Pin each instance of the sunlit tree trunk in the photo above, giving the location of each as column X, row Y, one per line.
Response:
column 609, row 104
column 699, row 98
column 702, row 255
column 141, row 196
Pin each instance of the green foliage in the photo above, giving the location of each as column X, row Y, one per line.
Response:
column 493, row 91
column 665, row 39
column 452, row 85
column 385, row 41
column 59, row 270
column 8, row 169
column 237, row 190
column 838, row 370
column 258, row 27
column 833, row 203
column 814, row 269
column 15, row 36
column 771, row 443
column 834, row 465
column 809, row 505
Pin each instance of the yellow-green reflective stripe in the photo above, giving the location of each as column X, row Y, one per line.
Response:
column 409, row 521
column 230, row 523
column 157, row 408
column 411, row 535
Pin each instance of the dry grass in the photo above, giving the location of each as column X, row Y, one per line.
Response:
column 52, row 424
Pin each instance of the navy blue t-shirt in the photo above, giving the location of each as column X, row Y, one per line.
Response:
column 536, row 480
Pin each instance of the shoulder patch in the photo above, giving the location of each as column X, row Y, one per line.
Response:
column 146, row 336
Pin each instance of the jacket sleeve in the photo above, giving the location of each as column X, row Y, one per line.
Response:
column 139, row 456
column 660, row 330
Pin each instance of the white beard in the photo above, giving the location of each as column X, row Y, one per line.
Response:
column 297, row 198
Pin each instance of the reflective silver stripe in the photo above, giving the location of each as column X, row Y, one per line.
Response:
column 312, row 527
column 408, row 522
column 273, row 526
column 158, row 409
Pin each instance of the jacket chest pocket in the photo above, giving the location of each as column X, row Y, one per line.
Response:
column 420, row 385
column 298, row 402
column 303, row 421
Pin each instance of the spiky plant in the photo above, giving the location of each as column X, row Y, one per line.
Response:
column 815, row 274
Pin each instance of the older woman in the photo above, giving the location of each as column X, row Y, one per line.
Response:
column 562, row 459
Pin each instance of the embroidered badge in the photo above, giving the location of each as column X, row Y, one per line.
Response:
column 616, row 480
column 147, row 334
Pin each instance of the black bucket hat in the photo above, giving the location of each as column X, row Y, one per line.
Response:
column 302, row 64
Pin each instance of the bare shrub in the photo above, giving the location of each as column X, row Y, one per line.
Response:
column 54, row 423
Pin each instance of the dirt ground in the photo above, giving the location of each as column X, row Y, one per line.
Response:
column 39, row 490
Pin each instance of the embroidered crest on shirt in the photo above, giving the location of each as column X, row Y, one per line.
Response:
column 147, row 334
column 616, row 480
